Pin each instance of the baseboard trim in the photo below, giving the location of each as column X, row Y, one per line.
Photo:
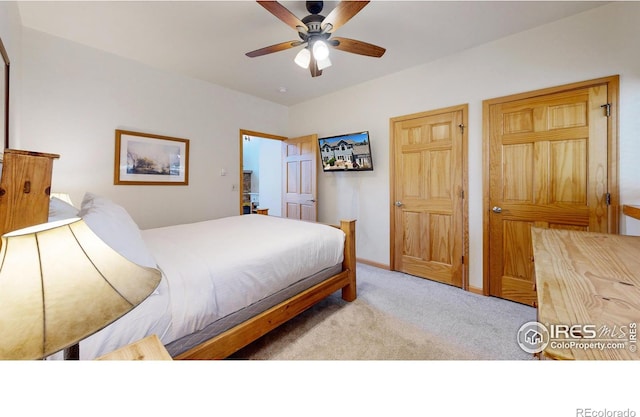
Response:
column 375, row 264
column 472, row 289
column 476, row 290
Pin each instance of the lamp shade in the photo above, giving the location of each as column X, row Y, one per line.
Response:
column 60, row 283
column 303, row 58
column 320, row 50
column 324, row 63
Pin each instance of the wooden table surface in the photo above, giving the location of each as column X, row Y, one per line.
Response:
column 149, row 348
column 591, row 280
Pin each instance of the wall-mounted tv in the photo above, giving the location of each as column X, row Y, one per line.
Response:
column 348, row 152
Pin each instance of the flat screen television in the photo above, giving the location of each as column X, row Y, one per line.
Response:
column 348, row 152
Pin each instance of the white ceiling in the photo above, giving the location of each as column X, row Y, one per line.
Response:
column 208, row 39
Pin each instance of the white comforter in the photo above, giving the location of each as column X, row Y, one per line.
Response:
column 214, row 268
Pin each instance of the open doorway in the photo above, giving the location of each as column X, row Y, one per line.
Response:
column 260, row 173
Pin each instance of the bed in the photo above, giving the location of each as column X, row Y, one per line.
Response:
column 225, row 282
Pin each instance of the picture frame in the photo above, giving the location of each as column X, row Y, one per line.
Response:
column 148, row 159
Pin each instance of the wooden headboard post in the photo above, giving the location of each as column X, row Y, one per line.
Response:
column 25, row 187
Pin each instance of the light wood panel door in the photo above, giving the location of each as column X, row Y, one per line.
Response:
column 428, row 178
column 300, row 160
column 548, row 167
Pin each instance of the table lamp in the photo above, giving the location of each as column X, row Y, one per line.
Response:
column 60, row 283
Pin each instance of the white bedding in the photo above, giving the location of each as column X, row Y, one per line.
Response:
column 214, row 268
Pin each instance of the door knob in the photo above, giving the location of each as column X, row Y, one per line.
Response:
column 399, row 204
column 497, row 209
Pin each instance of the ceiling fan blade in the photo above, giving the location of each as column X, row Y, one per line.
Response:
column 313, row 67
column 273, row 48
column 282, row 13
column 344, row 11
column 357, row 47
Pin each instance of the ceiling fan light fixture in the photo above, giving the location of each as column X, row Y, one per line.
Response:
column 320, row 50
column 303, row 58
column 323, row 63
column 315, row 31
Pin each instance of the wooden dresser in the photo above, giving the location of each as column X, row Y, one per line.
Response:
column 588, row 289
column 25, row 187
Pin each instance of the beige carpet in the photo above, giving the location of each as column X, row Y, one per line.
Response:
column 334, row 329
column 398, row 316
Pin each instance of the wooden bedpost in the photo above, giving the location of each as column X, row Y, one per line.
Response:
column 349, row 292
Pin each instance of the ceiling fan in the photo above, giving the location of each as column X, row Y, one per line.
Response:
column 315, row 33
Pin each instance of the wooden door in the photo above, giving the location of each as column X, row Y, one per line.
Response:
column 300, row 160
column 548, row 167
column 428, row 178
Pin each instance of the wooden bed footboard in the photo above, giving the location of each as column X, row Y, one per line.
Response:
column 237, row 337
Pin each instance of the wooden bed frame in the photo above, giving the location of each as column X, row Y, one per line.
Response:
column 17, row 208
column 234, row 339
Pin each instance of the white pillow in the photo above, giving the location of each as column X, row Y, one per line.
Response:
column 116, row 228
column 60, row 210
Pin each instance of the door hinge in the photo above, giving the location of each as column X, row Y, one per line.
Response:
column 608, row 199
column 461, row 126
column 607, row 109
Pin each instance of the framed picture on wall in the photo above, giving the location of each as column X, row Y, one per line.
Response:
column 147, row 159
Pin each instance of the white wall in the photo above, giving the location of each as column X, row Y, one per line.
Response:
column 74, row 97
column 594, row 44
column 271, row 176
column 264, row 158
column 251, row 160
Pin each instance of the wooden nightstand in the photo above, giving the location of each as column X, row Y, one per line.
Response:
column 148, row 349
column 264, row 211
